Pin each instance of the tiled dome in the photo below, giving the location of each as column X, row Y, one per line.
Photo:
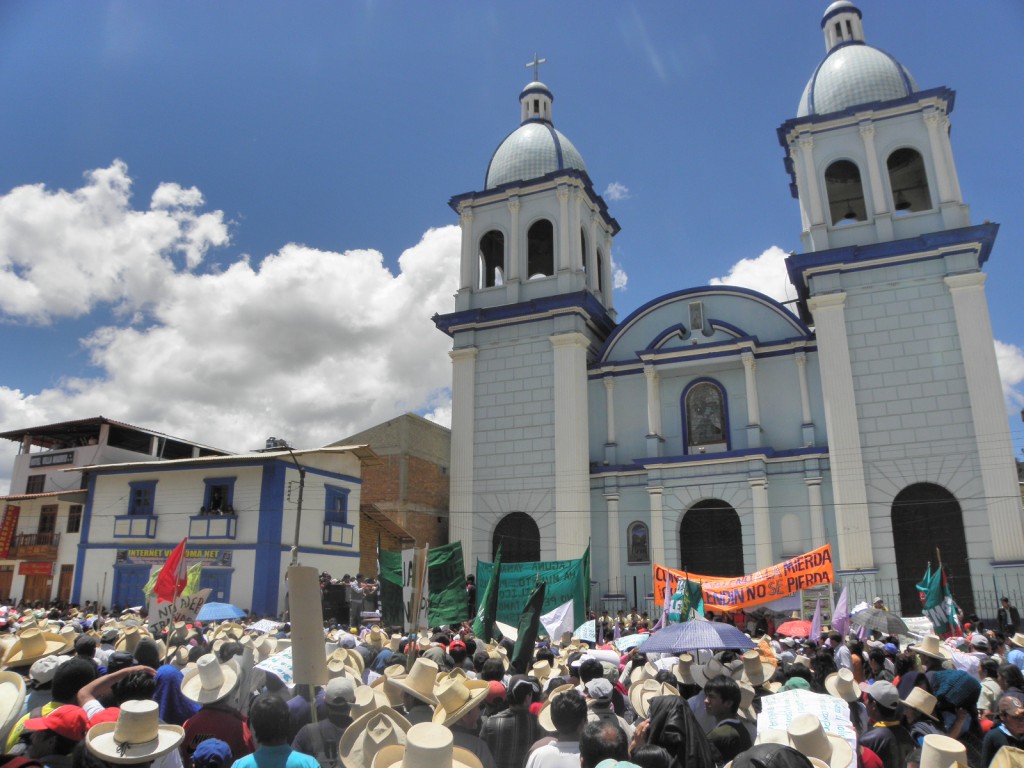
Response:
column 853, row 74
column 533, row 150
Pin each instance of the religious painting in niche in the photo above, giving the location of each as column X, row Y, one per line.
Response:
column 639, row 538
column 705, row 415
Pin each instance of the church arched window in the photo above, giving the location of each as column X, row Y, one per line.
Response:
column 704, row 415
column 845, row 193
column 492, row 259
column 583, row 250
column 908, row 181
column 540, row 250
column 638, row 540
column 599, row 266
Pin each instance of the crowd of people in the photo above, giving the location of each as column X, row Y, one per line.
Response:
column 81, row 690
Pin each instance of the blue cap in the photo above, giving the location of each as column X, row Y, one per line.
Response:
column 212, row 753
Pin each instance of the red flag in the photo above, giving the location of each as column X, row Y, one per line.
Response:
column 173, row 577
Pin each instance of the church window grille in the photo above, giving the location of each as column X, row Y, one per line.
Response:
column 540, row 250
column 845, row 193
column 908, row 181
column 706, row 428
column 492, row 259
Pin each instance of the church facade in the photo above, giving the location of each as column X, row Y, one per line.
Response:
column 714, row 429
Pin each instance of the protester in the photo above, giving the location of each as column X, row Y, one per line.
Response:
column 269, row 718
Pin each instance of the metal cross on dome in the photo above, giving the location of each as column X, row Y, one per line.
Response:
column 536, row 66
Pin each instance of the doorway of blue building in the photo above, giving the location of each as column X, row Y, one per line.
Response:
column 218, row 580
column 128, row 583
column 711, row 540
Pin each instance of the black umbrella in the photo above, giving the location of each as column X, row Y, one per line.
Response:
column 880, row 621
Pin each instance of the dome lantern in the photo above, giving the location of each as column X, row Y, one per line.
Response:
column 842, row 24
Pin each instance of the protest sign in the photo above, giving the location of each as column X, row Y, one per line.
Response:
column 280, row 665
column 566, row 580
column 162, row 615
column 811, row 569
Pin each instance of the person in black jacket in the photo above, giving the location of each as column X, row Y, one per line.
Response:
column 672, row 725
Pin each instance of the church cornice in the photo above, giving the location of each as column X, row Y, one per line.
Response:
column 740, row 456
column 581, row 303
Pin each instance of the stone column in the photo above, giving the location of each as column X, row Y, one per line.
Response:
column 936, row 121
column 615, row 549
column 653, row 401
column 572, row 445
column 995, row 450
column 816, row 510
column 576, row 259
column 594, row 278
column 657, row 526
column 609, row 398
column 460, row 505
column 853, row 529
column 810, row 179
column 468, row 270
column 877, row 189
column 513, row 269
column 563, row 262
column 806, row 425
column 762, row 523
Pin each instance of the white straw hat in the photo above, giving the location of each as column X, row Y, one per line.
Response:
column 136, row 736
column 368, row 734
column 209, row 681
column 427, row 745
column 420, row 680
column 808, row 737
column 942, row 752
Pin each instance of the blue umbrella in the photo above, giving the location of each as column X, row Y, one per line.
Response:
column 219, row 612
column 694, row 635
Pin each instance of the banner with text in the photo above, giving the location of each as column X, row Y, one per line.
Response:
column 7, row 529
column 811, row 569
column 566, row 580
column 446, row 580
column 162, row 615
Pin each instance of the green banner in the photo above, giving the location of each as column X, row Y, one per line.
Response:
column 446, row 585
column 391, row 609
column 566, row 580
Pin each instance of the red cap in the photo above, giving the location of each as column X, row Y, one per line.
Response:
column 496, row 692
column 108, row 715
column 68, row 721
column 456, row 644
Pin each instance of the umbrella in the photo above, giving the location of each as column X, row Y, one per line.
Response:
column 265, row 625
column 794, row 628
column 587, row 631
column 695, row 634
column 626, row 642
column 219, row 612
column 880, row 621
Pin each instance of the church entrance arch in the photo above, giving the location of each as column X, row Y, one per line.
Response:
column 926, row 517
column 711, row 539
column 519, row 537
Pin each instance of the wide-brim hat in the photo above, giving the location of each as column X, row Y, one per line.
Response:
column 32, row 645
column 458, row 696
column 264, row 647
column 843, row 685
column 375, row 637
column 703, row 672
column 1017, row 639
column 746, row 708
column 135, row 737
column 345, row 658
column 640, row 695
column 427, row 744
column 130, row 638
column 939, row 751
column 808, row 737
column 366, row 700
column 932, row 647
column 369, row 733
column 419, row 682
column 756, row 670
column 638, row 674
column 541, row 670
column 921, row 701
column 208, row 681
column 12, row 697
column 682, row 670
column 544, row 716
column 385, row 684
column 394, row 642
column 227, row 629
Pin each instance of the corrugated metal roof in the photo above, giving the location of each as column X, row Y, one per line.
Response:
column 47, row 495
column 363, row 452
column 64, row 427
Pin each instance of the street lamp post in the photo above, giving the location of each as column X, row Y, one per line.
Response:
column 298, row 505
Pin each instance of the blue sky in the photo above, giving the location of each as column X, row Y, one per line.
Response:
column 229, row 220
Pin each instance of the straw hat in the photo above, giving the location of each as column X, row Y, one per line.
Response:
column 746, row 708
column 921, row 701
column 682, row 669
column 802, row 660
column 136, row 736
column 31, row 645
column 807, row 736
column 228, row 629
column 1017, row 640
column 931, row 647
column 394, row 642
column 544, row 716
column 12, row 697
column 368, row 733
column 345, row 658
column 385, row 684
column 843, row 686
column 427, row 744
column 130, row 638
column 264, row 647
column 178, row 656
column 420, row 681
column 457, row 696
column 640, row 695
column 375, row 637
column 703, row 672
column 367, row 700
column 209, row 681
column 541, row 670
column 942, row 752
column 757, row 671
column 647, row 672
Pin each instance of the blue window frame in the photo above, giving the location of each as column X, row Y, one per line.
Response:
column 219, row 497
column 140, row 497
column 335, row 504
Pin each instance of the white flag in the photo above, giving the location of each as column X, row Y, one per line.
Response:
column 558, row 620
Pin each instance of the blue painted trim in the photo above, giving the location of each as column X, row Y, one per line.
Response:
column 1007, row 563
column 525, row 312
column 634, row 367
column 142, row 485
column 329, row 527
column 741, row 454
column 842, row 9
column 269, row 538
column 982, row 236
column 210, row 482
column 83, row 543
column 332, row 495
column 232, row 528
column 726, row 431
column 716, row 290
column 528, row 91
column 559, row 157
column 678, row 329
column 151, row 526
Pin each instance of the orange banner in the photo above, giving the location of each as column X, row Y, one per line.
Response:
column 7, row 529
column 801, row 572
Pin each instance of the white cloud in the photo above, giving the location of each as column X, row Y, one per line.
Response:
column 616, row 191
column 765, row 273
column 63, row 253
column 308, row 345
column 1010, row 359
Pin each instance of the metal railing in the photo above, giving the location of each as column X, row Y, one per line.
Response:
column 47, row 539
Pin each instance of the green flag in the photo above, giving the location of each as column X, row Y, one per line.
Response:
column 487, row 610
column 392, row 612
column 688, row 597
column 938, row 602
column 446, row 580
column 193, row 577
column 529, row 626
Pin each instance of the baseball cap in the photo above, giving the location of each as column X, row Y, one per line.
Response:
column 68, row 721
column 979, row 640
column 212, row 753
column 455, row 644
column 599, row 689
column 883, row 692
column 340, row 692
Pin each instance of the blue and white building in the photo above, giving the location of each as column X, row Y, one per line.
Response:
column 713, row 428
